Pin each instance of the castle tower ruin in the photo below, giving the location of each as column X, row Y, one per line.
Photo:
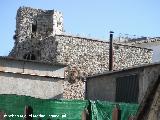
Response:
column 33, row 26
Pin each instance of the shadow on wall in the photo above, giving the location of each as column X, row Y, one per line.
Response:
column 59, row 96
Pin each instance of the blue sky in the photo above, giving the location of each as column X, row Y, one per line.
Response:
column 94, row 18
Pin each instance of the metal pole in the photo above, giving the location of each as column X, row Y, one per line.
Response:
column 111, row 51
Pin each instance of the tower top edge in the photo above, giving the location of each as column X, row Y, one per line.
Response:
column 21, row 8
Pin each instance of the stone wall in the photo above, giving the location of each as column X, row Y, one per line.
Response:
column 48, row 50
column 89, row 57
column 92, row 56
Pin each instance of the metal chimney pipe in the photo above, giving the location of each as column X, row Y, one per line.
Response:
column 111, row 51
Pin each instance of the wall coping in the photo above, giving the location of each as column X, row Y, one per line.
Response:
column 36, row 9
column 33, row 61
column 54, row 73
column 18, row 73
column 102, row 41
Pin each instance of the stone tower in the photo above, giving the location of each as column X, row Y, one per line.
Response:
column 33, row 26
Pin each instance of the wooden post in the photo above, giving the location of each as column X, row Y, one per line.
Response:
column 116, row 114
column 132, row 118
column 28, row 113
column 85, row 115
column 2, row 115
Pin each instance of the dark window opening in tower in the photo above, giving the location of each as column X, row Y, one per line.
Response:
column 29, row 57
column 34, row 27
column 59, row 23
column 15, row 37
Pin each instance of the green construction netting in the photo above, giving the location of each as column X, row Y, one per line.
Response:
column 54, row 109
column 62, row 109
column 102, row 110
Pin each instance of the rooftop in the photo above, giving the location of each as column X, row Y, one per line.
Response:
column 122, row 70
column 34, row 68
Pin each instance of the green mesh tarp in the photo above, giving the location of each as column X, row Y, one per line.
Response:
column 102, row 110
column 54, row 109
column 13, row 106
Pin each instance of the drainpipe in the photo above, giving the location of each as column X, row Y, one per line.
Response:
column 111, row 51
